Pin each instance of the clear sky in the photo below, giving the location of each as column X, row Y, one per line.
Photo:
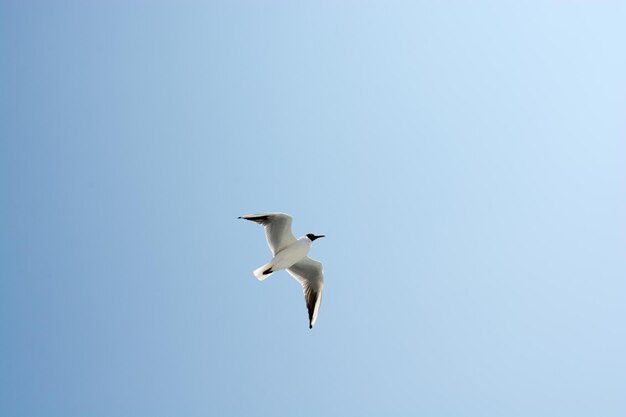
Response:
column 466, row 161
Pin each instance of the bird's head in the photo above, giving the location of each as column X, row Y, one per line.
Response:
column 312, row 237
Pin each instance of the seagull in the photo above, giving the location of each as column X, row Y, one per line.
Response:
column 291, row 254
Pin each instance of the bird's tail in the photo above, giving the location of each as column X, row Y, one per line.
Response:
column 264, row 271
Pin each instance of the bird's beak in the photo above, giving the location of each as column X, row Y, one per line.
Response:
column 318, row 236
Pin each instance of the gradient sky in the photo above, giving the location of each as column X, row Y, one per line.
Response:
column 466, row 161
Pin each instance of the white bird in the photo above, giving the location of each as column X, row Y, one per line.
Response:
column 291, row 254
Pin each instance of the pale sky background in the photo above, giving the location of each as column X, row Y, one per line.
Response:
column 466, row 160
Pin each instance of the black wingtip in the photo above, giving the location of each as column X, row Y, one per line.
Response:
column 239, row 217
column 310, row 326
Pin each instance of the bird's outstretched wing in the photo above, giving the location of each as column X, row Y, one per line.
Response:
column 309, row 273
column 277, row 229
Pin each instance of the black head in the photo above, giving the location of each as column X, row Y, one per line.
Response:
column 312, row 237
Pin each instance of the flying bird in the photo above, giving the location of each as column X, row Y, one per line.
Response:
column 291, row 254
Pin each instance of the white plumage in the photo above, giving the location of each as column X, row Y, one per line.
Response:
column 291, row 254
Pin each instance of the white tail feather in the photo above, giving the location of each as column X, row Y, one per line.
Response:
column 258, row 273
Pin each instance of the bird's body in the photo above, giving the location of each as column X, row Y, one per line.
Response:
column 288, row 256
column 291, row 254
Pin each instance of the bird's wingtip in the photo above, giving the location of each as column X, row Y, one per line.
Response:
column 310, row 326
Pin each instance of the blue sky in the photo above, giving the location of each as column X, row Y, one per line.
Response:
column 465, row 160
